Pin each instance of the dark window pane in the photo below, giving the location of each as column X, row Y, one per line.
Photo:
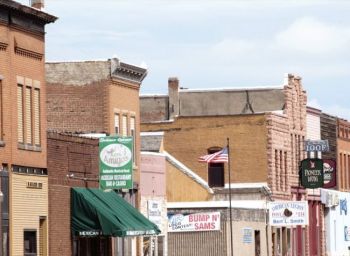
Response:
column 29, row 243
column 216, row 175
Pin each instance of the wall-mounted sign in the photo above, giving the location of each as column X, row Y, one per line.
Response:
column 311, row 173
column 330, row 173
column 36, row 185
column 288, row 213
column 316, row 145
column 247, row 235
column 205, row 221
column 347, row 233
column 155, row 212
column 116, row 162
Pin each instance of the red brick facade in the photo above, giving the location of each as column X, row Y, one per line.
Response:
column 343, row 158
column 70, row 160
column 77, row 108
column 23, row 123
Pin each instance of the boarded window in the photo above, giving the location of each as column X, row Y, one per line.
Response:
column 1, row 111
column 36, row 107
column 125, row 125
column 133, row 134
column 20, row 123
column 116, row 124
column 28, row 115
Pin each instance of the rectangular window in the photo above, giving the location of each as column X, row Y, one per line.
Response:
column 277, row 170
column 20, row 122
column 36, row 108
column 116, row 123
column 29, row 243
column 125, row 125
column 28, row 115
column 285, row 171
column 1, row 113
column 28, row 112
column 341, row 170
column 216, row 171
column 133, row 134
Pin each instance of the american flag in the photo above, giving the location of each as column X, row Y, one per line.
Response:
column 217, row 157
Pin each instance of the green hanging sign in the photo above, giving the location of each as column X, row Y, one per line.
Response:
column 115, row 154
column 311, row 173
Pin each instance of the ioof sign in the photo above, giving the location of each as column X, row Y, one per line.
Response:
column 288, row 213
column 316, row 145
column 205, row 221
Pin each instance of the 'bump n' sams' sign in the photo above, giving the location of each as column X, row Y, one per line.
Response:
column 311, row 173
column 205, row 221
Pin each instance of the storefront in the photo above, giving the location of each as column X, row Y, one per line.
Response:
column 97, row 216
column 337, row 222
column 28, row 211
column 203, row 228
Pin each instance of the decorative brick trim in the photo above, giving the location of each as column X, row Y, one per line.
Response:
column 3, row 46
column 28, row 53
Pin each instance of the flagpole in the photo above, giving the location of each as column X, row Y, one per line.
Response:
column 229, row 192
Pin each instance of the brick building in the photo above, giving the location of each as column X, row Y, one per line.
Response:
column 75, row 156
column 98, row 97
column 95, row 97
column 266, row 127
column 73, row 163
column 343, row 154
column 23, row 128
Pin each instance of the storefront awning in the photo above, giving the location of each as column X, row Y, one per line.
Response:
column 95, row 212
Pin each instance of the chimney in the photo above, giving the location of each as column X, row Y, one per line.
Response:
column 173, row 91
column 37, row 4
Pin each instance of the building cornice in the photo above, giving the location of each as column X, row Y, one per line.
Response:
column 127, row 72
column 45, row 17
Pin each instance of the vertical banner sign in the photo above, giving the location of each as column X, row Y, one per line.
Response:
column 116, row 162
column 311, row 173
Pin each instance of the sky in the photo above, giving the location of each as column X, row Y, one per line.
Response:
column 213, row 43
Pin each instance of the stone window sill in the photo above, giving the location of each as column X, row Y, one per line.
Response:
column 29, row 147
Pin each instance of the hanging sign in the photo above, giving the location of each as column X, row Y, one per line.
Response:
column 205, row 221
column 329, row 170
column 311, row 173
column 288, row 213
column 316, row 145
column 116, row 162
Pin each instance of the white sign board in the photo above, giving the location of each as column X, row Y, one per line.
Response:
column 288, row 213
column 155, row 212
column 205, row 221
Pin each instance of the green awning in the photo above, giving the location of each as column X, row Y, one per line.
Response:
column 95, row 212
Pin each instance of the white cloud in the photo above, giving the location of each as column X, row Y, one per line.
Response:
column 312, row 36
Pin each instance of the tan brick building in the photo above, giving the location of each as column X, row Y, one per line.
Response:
column 23, row 128
column 266, row 127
